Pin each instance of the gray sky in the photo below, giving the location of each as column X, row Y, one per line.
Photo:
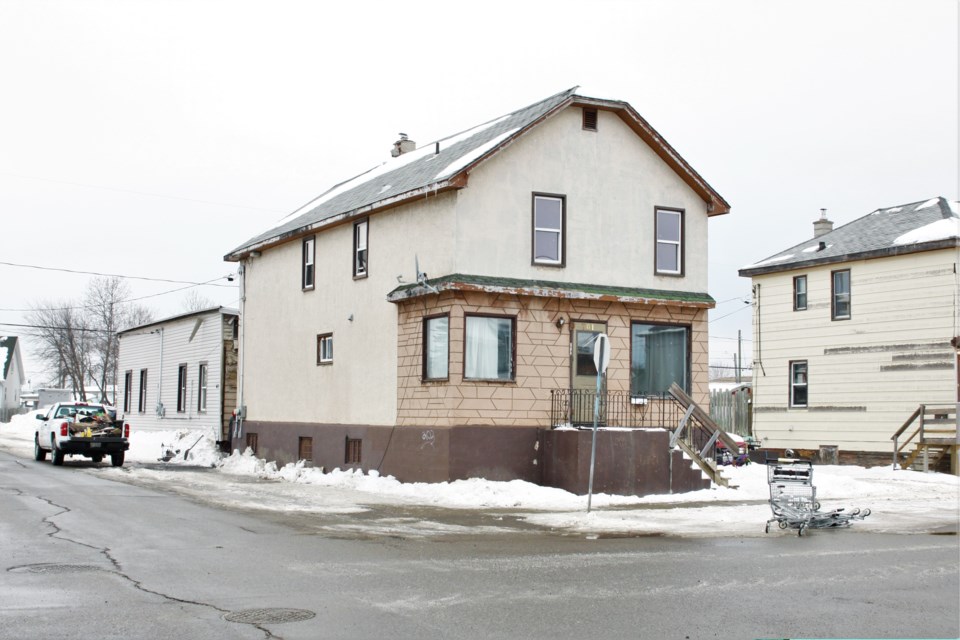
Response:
column 150, row 138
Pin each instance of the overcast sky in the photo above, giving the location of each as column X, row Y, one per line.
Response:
column 150, row 138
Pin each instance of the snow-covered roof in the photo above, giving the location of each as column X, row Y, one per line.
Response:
column 909, row 228
column 444, row 164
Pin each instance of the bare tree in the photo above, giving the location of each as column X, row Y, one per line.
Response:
column 79, row 342
column 193, row 301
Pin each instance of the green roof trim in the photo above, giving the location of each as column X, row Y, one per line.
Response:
column 548, row 289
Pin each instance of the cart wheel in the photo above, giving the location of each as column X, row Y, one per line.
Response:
column 816, row 506
column 802, row 528
column 783, row 524
column 866, row 512
column 855, row 512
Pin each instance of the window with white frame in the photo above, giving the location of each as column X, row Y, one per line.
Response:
column 798, row 383
column 436, row 348
column 142, row 398
column 669, row 249
column 840, row 295
column 308, row 272
column 325, row 348
column 488, row 348
column 202, row 387
column 799, row 293
column 549, row 212
column 360, row 249
column 127, row 391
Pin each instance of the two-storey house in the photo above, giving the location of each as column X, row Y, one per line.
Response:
column 426, row 318
column 856, row 328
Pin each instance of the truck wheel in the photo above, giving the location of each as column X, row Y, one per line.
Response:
column 116, row 459
column 55, row 454
column 39, row 453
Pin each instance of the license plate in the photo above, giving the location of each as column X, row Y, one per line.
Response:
column 94, row 445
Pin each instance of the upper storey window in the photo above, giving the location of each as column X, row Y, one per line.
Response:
column 669, row 248
column 549, row 218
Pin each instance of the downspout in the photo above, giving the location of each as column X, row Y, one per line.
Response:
column 238, row 411
column 160, row 410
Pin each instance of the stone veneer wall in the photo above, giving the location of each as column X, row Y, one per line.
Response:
column 542, row 356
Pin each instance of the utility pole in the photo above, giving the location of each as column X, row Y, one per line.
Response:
column 739, row 356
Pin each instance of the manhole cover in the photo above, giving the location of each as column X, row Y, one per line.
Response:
column 269, row 616
column 54, row 568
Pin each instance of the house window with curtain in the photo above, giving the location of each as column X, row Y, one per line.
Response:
column 549, row 214
column 669, row 249
column 436, row 347
column 659, row 356
column 488, row 348
column 840, row 298
column 307, row 273
column 360, row 249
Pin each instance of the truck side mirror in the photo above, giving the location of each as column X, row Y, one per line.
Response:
column 41, row 416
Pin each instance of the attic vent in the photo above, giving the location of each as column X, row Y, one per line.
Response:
column 590, row 119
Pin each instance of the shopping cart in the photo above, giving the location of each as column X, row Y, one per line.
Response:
column 793, row 499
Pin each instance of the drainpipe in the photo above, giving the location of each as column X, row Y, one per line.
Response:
column 159, row 410
column 238, row 411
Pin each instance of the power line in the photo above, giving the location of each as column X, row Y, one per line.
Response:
column 730, row 314
column 44, row 326
column 138, row 193
column 117, row 275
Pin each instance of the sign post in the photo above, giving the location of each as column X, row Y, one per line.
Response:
column 601, row 358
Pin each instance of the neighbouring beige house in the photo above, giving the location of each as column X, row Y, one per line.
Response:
column 181, row 372
column 854, row 330
column 434, row 317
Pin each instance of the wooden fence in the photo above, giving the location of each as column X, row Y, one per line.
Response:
column 731, row 410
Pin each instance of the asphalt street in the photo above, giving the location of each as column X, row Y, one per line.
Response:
column 86, row 557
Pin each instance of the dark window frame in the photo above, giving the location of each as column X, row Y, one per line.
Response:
column 688, row 373
column 425, row 341
column 513, row 347
column 681, row 243
column 252, row 441
column 142, row 396
column 563, row 230
column 127, row 390
column 833, row 295
column 182, row 387
column 357, row 272
column 305, row 445
column 792, row 385
column 308, row 264
column 797, row 306
column 324, row 338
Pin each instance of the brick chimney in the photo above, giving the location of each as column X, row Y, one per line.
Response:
column 402, row 146
column 822, row 225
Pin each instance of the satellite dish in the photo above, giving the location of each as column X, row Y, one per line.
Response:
column 422, row 276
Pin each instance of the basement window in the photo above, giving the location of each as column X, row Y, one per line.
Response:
column 589, row 119
column 353, row 451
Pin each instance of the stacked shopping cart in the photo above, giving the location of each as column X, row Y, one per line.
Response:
column 793, row 499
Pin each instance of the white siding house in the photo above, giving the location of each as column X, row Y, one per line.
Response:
column 11, row 376
column 180, row 373
column 855, row 328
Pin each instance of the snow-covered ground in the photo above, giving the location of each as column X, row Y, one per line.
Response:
column 900, row 501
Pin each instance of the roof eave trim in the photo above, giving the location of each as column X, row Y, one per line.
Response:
column 418, row 291
column 898, row 250
column 456, row 181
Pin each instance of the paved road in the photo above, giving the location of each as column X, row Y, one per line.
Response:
column 84, row 557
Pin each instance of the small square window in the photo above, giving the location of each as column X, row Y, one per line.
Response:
column 325, row 348
column 800, row 293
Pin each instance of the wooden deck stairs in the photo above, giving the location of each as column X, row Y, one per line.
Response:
column 697, row 435
column 933, row 435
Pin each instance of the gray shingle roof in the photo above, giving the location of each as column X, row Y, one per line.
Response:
column 441, row 165
column 431, row 165
column 908, row 228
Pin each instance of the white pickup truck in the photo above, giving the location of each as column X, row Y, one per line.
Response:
column 78, row 428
